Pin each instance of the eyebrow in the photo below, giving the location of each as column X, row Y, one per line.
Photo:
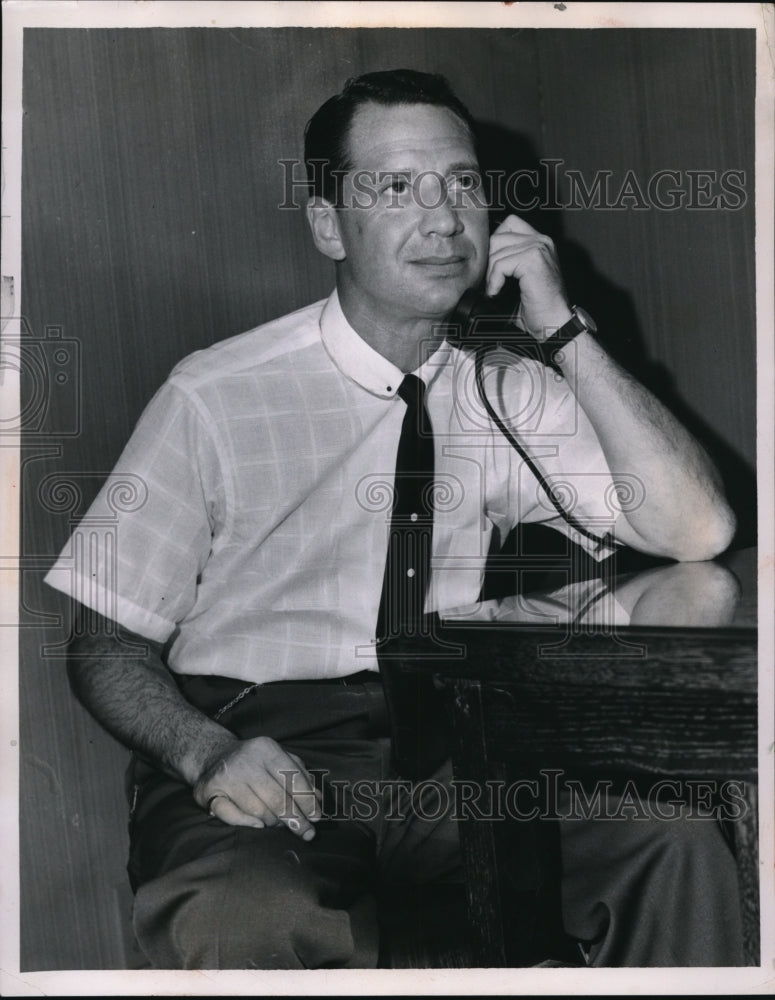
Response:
column 465, row 165
column 459, row 165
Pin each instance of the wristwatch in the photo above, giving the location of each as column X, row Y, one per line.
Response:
column 578, row 323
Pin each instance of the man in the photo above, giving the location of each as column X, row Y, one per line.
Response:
column 250, row 574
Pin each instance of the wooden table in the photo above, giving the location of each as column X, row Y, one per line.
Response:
column 529, row 691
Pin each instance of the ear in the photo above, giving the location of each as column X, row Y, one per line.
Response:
column 324, row 225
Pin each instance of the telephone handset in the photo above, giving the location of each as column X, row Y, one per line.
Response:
column 480, row 319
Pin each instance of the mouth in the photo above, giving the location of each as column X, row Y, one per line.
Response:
column 447, row 261
column 451, row 266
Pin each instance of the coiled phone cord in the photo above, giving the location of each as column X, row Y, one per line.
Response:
column 480, row 350
column 461, row 322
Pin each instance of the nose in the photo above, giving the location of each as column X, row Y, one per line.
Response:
column 439, row 215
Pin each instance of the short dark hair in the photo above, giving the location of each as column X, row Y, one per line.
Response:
column 326, row 150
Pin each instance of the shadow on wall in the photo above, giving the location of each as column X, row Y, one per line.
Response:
column 504, row 153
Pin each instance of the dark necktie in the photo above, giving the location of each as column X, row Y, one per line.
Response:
column 418, row 742
column 408, row 563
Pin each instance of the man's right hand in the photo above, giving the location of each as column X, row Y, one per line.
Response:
column 242, row 782
column 257, row 783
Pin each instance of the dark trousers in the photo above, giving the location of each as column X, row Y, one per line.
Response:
column 212, row 896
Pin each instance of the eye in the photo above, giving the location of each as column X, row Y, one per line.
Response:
column 468, row 181
column 396, row 184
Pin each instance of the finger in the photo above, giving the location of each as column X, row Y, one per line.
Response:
column 271, row 796
column 287, row 810
column 317, row 811
column 263, row 801
column 251, row 810
column 261, row 782
column 230, row 813
column 307, row 774
column 211, row 801
column 240, row 797
column 299, row 827
column 226, row 811
column 293, row 801
column 521, row 248
column 295, row 784
column 515, row 224
column 507, row 238
column 509, row 261
column 517, row 261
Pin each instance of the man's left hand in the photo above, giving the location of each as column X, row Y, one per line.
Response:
column 519, row 251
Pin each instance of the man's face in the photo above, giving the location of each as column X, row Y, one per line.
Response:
column 414, row 224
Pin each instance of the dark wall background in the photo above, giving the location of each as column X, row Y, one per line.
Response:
column 151, row 188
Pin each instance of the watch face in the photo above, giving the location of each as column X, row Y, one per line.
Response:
column 585, row 318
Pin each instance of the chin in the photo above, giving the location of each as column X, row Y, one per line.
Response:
column 439, row 302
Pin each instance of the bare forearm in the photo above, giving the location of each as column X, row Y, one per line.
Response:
column 681, row 511
column 137, row 700
column 251, row 782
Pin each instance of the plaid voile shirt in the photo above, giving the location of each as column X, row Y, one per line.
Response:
column 247, row 519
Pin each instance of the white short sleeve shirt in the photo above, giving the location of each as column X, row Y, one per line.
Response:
column 256, row 544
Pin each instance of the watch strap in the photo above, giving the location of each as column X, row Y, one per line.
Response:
column 563, row 335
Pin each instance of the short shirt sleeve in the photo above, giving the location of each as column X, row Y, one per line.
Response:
column 137, row 554
column 541, row 410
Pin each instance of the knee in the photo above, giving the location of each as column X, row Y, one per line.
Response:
column 210, row 918
column 697, row 845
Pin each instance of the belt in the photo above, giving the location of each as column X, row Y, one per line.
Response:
column 214, row 695
column 362, row 677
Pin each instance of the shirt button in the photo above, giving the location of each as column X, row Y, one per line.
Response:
column 390, row 388
column 413, row 517
column 410, row 573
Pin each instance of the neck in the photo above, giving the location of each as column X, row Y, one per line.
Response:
column 404, row 341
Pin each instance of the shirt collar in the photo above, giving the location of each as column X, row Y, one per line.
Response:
column 361, row 363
